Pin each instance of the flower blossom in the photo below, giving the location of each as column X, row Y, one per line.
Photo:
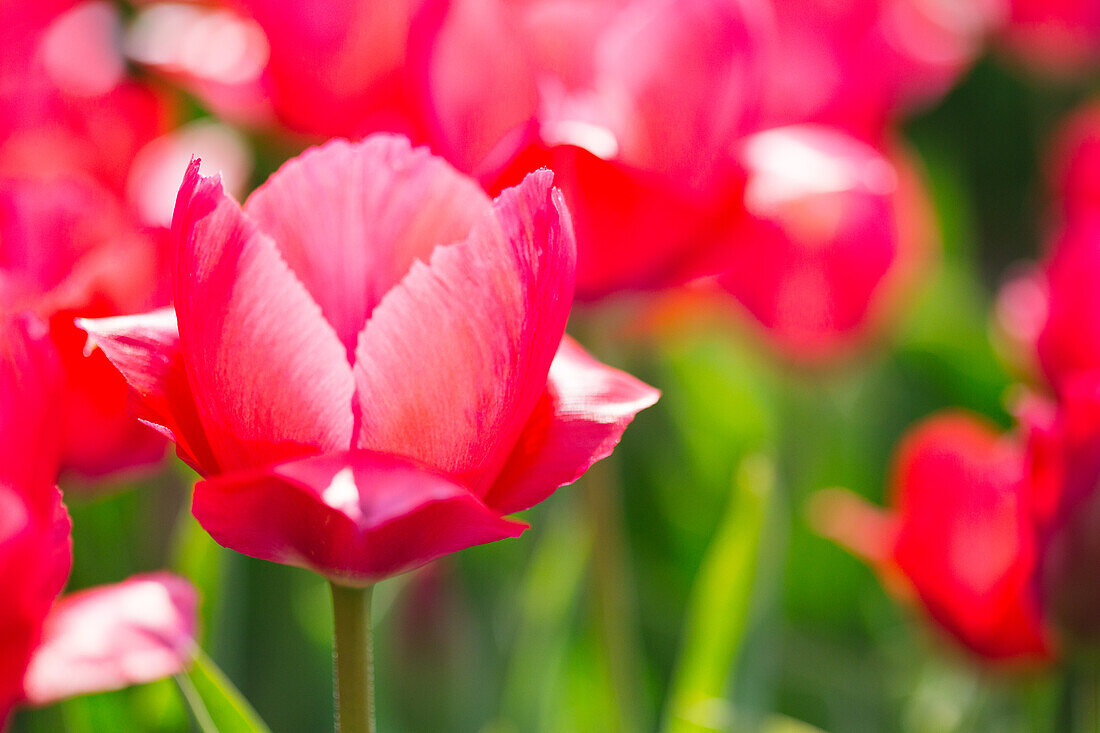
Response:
column 367, row 361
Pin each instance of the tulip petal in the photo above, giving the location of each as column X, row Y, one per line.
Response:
column 113, row 636
column 145, row 349
column 354, row 517
column 351, row 219
column 579, row 420
column 270, row 377
column 454, row 358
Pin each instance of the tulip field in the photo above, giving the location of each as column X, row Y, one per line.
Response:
column 499, row 366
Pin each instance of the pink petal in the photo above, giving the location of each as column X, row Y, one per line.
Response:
column 579, row 420
column 353, row 517
column 145, row 349
column 351, row 219
column 454, row 358
column 270, row 377
column 113, row 636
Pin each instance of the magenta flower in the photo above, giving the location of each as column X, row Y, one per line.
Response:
column 367, row 361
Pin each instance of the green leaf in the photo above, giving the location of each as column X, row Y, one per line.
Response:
column 217, row 705
column 718, row 611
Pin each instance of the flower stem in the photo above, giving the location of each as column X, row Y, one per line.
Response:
column 1080, row 708
column 352, row 660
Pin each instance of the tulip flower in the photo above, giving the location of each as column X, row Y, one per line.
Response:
column 1075, row 171
column 100, row 639
column 831, row 231
column 317, row 68
column 366, row 361
column 959, row 536
column 1058, row 37
column 67, row 249
column 66, row 106
column 639, row 146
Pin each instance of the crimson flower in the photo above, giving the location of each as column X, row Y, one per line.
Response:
column 639, row 145
column 960, row 536
column 366, row 361
column 832, row 231
column 100, row 639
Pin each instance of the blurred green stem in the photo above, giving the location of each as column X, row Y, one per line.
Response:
column 1080, row 708
column 718, row 612
column 352, row 659
column 615, row 622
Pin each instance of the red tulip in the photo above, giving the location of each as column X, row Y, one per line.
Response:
column 639, row 145
column 832, row 230
column 1076, row 168
column 960, row 535
column 369, row 365
column 1055, row 36
column 1068, row 342
column 66, row 249
column 110, row 637
column 319, row 68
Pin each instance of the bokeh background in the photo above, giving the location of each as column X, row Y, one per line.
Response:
column 685, row 563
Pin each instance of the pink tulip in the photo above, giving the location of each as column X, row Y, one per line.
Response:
column 832, row 232
column 1075, row 171
column 638, row 143
column 959, row 536
column 1055, row 36
column 366, row 361
column 66, row 106
column 102, row 639
column 319, row 68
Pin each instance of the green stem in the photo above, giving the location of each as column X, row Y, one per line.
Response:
column 1080, row 709
column 352, row 660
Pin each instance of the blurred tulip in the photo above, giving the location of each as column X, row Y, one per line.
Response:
column 960, row 535
column 639, row 144
column 819, row 235
column 1075, row 171
column 414, row 385
column 1068, row 342
column 102, row 639
column 67, row 250
column 65, row 105
column 1055, row 36
column 1064, row 474
column 318, row 68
